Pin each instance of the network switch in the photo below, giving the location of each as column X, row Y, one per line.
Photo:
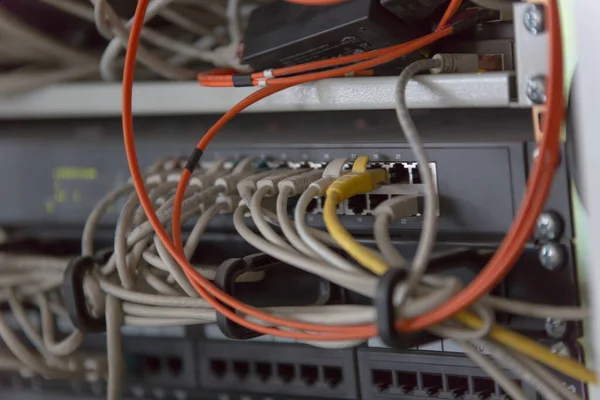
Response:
column 480, row 178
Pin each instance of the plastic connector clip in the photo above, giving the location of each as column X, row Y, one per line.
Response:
column 74, row 295
column 355, row 183
column 225, row 280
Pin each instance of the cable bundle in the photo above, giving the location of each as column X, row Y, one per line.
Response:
column 190, row 37
column 420, row 301
column 29, row 282
column 498, row 267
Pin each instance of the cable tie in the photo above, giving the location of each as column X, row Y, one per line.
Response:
column 386, row 313
column 262, row 83
column 75, row 299
column 194, row 159
column 242, row 80
column 268, row 73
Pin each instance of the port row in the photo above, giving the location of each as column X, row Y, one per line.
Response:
column 283, row 373
column 362, row 204
column 392, row 382
column 152, row 365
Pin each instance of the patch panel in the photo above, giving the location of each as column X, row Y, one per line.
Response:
column 385, row 375
column 159, row 362
column 291, row 370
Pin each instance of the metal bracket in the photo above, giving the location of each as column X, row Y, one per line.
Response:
column 531, row 51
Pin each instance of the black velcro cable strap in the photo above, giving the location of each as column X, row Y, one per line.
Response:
column 194, row 159
column 227, row 273
column 242, row 80
column 384, row 306
column 74, row 295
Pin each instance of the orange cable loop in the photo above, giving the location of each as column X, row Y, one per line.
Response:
column 510, row 249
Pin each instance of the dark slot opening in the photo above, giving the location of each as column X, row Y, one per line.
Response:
column 309, row 374
column 264, row 371
column 407, row 380
column 312, row 206
column 218, row 368
column 382, row 379
column 458, row 385
column 286, row 372
column 357, row 203
column 152, row 364
column 416, row 176
column 433, row 383
column 484, row 387
column 399, row 174
column 241, row 369
column 135, row 364
column 377, row 199
column 175, row 365
column 333, row 376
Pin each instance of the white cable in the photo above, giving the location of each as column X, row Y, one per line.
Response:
column 430, row 214
column 362, row 283
column 508, row 385
column 72, row 7
column 114, row 320
column 508, row 359
column 287, row 227
column 15, row 29
column 154, row 63
column 260, row 222
column 183, row 22
column 322, row 250
column 505, row 6
column 13, row 83
column 30, row 360
column 233, row 21
column 66, row 346
column 392, row 209
column 91, row 224
column 148, row 299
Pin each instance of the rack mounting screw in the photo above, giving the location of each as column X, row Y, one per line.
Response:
column 560, row 349
column 549, row 226
column 552, row 256
column 534, row 19
column 536, row 89
column 555, row 328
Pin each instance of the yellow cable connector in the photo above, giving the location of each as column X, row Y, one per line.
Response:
column 360, row 164
column 359, row 181
column 528, row 347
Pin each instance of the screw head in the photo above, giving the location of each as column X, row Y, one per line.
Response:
column 555, row 328
column 551, row 256
column 549, row 226
column 180, row 395
column 560, row 349
column 138, row 391
column 534, row 19
column 536, row 89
